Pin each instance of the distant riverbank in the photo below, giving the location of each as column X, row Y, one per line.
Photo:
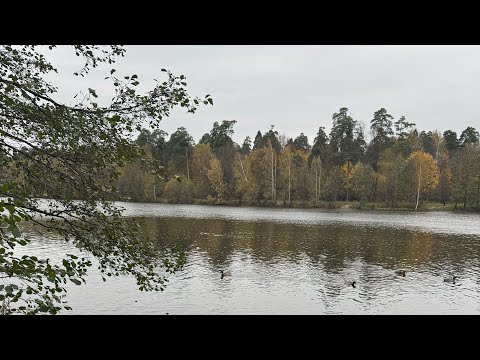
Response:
column 423, row 206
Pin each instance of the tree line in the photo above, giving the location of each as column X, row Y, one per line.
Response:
column 398, row 167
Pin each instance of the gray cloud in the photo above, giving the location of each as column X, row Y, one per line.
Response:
column 298, row 88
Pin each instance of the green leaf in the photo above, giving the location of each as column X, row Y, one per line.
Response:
column 112, row 71
column 76, row 282
column 91, row 91
column 15, row 232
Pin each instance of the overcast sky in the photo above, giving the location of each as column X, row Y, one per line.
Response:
column 298, row 88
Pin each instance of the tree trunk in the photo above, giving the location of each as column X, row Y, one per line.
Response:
column 188, row 171
column 418, row 188
column 478, row 194
column 319, row 181
column 348, row 177
column 465, row 193
column 289, row 172
column 243, row 170
column 273, row 180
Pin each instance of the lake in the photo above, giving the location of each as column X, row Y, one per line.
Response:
column 295, row 261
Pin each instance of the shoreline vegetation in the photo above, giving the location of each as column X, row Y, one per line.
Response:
column 399, row 167
column 325, row 205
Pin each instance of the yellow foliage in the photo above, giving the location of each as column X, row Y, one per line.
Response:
column 425, row 170
column 202, row 155
column 215, row 176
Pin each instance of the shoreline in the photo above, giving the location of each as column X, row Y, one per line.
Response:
column 328, row 205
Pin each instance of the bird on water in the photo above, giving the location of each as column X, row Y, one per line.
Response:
column 224, row 273
column 350, row 283
column 401, row 272
column 450, row 279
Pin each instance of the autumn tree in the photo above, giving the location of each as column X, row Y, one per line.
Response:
column 334, row 182
column 287, row 171
column 201, row 157
column 363, row 181
column 261, row 172
column 390, row 177
column 178, row 192
column 466, row 176
column 215, row 176
column 445, row 180
column 130, row 183
column 345, row 146
column 425, row 174
column 316, row 170
column 245, row 185
column 301, row 168
column 271, row 163
column 220, row 140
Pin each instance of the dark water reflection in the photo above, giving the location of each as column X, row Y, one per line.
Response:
column 298, row 262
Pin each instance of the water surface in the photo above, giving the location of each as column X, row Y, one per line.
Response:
column 296, row 261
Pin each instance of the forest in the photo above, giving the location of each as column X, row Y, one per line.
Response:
column 399, row 167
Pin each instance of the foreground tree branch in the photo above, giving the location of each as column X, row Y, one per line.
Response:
column 70, row 155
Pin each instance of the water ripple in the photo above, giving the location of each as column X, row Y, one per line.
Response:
column 289, row 261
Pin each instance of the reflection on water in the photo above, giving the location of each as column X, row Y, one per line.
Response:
column 297, row 262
